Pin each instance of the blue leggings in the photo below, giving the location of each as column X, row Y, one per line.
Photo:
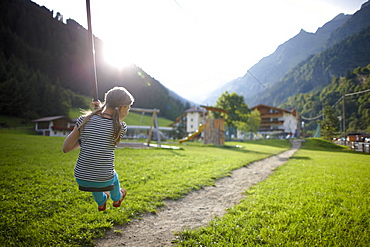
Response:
column 101, row 197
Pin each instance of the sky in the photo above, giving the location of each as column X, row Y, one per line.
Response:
column 194, row 46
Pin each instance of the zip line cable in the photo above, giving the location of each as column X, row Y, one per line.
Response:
column 348, row 94
column 367, row 90
column 313, row 118
column 337, row 102
column 258, row 80
column 178, row 4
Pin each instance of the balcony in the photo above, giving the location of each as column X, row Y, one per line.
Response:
column 270, row 123
column 270, row 130
column 271, row 115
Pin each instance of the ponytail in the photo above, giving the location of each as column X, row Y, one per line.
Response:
column 117, row 127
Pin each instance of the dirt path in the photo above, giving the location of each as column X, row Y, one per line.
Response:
column 194, row 210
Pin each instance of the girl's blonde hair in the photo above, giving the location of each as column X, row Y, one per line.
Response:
column 114, row 98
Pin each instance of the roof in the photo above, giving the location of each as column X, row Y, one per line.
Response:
column 292, row 111
column 194, row 109
column 47, row 119
column 211, row 108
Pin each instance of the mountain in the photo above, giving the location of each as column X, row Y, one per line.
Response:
column 318, row 71
column 258, row 85
column 270, row 69
column 357, row 22
column 44, row 67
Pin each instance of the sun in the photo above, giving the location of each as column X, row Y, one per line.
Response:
column 118, row 55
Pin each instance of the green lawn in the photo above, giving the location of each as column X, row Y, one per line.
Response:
column 42, row 206
column 134, row 118
column 320, row 197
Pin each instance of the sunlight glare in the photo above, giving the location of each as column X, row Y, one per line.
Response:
column 118, row 55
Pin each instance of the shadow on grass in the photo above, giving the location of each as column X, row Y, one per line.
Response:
column 300, row 158
column 238, row 149
column 323, row 145
column 269, row 142
column 316, row 144
column 235, row 148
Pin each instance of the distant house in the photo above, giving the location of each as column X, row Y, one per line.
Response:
column 276, row 121
column 54, row 126
column 190, row 120
column 194, row 117
column 357, row 137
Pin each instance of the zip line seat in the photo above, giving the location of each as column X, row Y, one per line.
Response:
column 94, row 189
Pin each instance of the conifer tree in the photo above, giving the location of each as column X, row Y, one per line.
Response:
column 330, row 124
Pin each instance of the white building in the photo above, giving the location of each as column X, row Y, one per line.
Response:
column 276, row 121
column 54, row 126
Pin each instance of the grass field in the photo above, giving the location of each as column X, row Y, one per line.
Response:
column 14, row 125
column 320, row 197
column 134, row 118
column 42, row 206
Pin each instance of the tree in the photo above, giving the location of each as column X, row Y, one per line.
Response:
column 238, row 111
column 252, row 123
column 330, row 125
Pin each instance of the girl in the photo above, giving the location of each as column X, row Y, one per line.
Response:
column 98, row 134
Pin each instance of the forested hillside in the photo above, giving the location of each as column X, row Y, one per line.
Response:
column 44, row 67
column 355, row 85
column 317, row 71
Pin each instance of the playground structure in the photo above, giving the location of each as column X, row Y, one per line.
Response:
column 192, row 135
column 154, row 123
column 213, row 129
column 214, row 132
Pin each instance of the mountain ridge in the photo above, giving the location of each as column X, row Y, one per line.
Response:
column 270, row 70
column 317, row 71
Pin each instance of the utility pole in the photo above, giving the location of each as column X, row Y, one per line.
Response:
column 340, row 126
column 344, row 118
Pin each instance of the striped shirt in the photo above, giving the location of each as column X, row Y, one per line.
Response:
column 96, row 159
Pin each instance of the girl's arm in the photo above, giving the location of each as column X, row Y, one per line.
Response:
column 71, row 142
